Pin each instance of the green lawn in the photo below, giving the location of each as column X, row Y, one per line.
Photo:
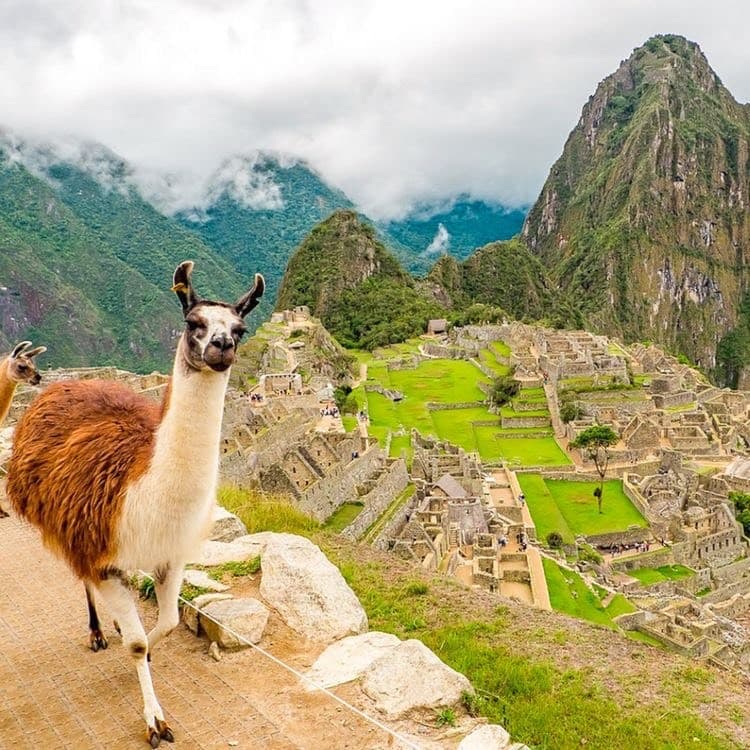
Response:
column 343, row 516
column 570, row 508
column 494, row 446
column 648, row 576
column 569, row 594
column 489, row 360
column 401, row 443
column 349, row 421
column 500, row 348
column 444, row 381
column 456, row 381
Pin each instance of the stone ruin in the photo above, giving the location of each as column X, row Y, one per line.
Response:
column 699, row 615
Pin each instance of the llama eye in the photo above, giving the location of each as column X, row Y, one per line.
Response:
column 192, row 325
column 239, row 332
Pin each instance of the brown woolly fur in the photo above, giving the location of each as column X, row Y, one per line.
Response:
column 76, row 450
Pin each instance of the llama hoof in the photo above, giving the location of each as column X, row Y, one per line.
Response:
column 117, row 627
column 158, row 733
column 97, row 640
column 3, row 514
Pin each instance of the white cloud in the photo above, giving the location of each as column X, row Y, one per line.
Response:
column 440, row 242
column 395, row 102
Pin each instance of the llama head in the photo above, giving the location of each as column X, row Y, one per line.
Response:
column 21, row 365
column 212, row 329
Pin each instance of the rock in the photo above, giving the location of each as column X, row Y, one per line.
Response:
column 308, row 591
column 200, row 579
column 214, row 651
column 226, row 526
column 240, row 549
column 487, row 737
column 246, row 617
column 345, row 660
column 190, row 615
column 411, row 676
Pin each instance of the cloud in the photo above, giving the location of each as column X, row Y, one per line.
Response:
column 397, row 103
column 440, row 244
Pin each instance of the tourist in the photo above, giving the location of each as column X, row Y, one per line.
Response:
column 522, row 499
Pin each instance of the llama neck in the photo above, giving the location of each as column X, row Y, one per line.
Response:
column 187, row 441
column 7, row 389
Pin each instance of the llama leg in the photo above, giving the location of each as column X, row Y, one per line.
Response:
column 122, row 607
column 96, row 637
column 167, row 584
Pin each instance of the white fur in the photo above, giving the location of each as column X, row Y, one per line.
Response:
column 168, row 509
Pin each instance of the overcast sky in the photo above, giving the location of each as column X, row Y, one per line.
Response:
column 394, row 102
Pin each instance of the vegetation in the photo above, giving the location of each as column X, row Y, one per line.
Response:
column 569, row 593
column 344, row 515
column 595, row 442
column 554, row 540
column 566, row 507
column 345, row 275
column 504, row 389
column 648, row 576
column 262, row 512
column 741, row 502
column 538, row 697
column 469, row 223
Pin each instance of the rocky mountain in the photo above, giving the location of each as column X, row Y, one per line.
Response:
column 359, row 290
column 504, row 275
column 458, row 229
column 643, row 219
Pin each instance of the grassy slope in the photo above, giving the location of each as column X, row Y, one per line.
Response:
column 555, row 683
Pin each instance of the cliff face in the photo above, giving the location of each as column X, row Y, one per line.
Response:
column 643, row 219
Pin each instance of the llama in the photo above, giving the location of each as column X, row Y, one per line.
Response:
column 17, row 367
column 117, row 483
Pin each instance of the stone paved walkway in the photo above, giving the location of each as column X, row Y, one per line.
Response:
column 56, row 693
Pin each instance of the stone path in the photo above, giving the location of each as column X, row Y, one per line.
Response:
column 56, row 693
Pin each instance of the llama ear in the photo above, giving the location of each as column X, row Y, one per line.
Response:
column 182, row 285
column 250, row 300
column 36, row 352
column 19, row 348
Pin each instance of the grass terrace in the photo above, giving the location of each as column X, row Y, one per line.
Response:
column 569, row 507
column 474, row 428
column 648, row 576
column 569, row 594
column 343, row 516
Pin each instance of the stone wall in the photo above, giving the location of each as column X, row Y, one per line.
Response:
column 392, row 530
column 321, row 499
column 390, row 484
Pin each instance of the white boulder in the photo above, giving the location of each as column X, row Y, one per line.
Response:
column 487, row 737
column 190, row 614
column 246, row 617
column 308, row 591
column 345, row 660
column 238, row 550
column 411, row 676
column 200, row 579
column 226, row 526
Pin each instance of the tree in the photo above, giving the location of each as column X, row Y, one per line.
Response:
column 595, row 442
column 741, row 502
column 504, row 388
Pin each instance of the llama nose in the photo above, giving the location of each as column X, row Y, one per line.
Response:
column 222, row 342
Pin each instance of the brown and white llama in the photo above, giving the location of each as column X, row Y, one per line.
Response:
column 17, row 367
column 116, row 483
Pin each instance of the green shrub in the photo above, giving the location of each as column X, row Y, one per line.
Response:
column 554, row 540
